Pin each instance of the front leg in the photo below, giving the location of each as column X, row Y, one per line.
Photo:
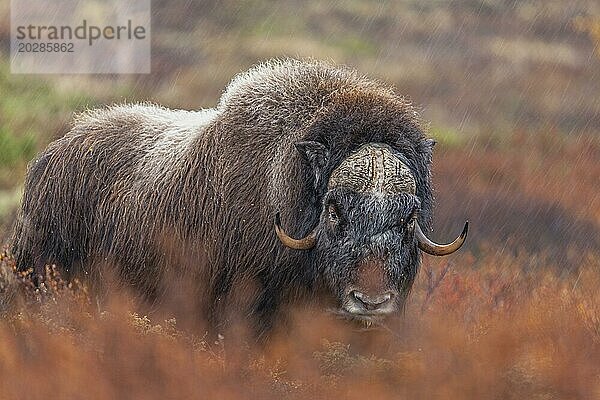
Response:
column 265, row 310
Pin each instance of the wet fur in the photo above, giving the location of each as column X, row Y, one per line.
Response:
column 150, row 191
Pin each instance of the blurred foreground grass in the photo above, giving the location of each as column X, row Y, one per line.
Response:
column 492, row 332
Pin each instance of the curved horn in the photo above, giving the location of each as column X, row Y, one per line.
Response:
column 299, row 244
column 440, row 249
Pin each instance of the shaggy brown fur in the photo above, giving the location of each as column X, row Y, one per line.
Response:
column 152, row 191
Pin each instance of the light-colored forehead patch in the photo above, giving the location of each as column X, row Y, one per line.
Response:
column 373, row 168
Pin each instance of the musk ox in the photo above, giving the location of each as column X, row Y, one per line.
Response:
column 294, row 149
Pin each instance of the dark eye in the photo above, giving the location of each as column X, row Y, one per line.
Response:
column 409, row 222
column 332, row 214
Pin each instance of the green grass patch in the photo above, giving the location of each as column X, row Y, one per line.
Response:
column 9, row 201
column 15, row 149
column 356, row 45
column 447, row 137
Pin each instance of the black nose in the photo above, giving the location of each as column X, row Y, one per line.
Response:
column 371, row 302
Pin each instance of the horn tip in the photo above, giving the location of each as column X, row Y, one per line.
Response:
column 465, row 230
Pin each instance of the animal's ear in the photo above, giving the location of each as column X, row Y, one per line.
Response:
column 316, row 155
column 430, row 143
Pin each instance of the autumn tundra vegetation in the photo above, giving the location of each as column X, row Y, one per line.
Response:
column 515, row 313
